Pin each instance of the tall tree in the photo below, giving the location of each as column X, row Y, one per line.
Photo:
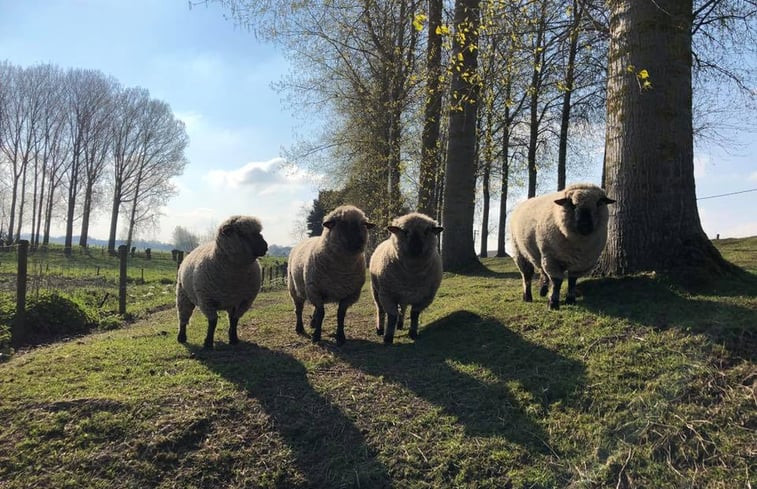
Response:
column 649, row 164
column 458, row 251
column 432, row 114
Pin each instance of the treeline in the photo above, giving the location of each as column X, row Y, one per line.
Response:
column 75, row 142
column 508, row 94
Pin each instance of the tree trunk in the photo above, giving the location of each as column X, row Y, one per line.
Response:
column 117, row 190
column 432, row 113
column 535, row 88
column 458, row 248
column 649, row 166
column 566, row 105
column 503, row 189
column 86, row 211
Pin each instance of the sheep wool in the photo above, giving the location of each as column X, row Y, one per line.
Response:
column 329, row 268
column 406, row 269
column 559, row 233
column 223, row 275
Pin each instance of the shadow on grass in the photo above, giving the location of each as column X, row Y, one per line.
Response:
column 653, row 302
column 327, row 447
column 514, row 376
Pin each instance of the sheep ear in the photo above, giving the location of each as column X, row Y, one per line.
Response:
column 394, row 229
column 329, row 224
column 369, row 225
column 563, row 202
column 437, row 229
column 606, row 200
column 227, row 229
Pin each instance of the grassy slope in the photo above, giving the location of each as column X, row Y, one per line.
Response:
column 639, row 385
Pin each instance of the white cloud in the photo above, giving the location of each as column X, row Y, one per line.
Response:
column 752, row 177
column 263, row 176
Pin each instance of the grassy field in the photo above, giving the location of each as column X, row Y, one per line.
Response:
column 638, row 385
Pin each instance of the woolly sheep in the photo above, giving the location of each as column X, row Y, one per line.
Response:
column 558, row 233
column 222, row 275
column 406, row 269
column 330, row 268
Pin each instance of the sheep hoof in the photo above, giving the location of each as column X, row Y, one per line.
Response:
column 527, row 298
column 380, row 331
column 570, row 300
column 413, row 334
column 234, row 340
column 300, row 330
column 340, row 340
column 316, row 338
column 543, row 290
column 399, row 325
column 182, row 338
column 388, row 340
column 208, row 345
column 553, row 305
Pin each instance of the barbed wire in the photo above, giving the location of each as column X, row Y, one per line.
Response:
column 726, row 195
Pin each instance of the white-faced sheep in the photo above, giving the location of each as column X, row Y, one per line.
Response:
column 406, row 269
column 330, row 268
column 558, row 233
column 223, row 275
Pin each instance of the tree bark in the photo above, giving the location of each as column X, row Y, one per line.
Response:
column 562, row 152
column 432, row 114
column 649, row 165
column 458, row 248
column 501, row 232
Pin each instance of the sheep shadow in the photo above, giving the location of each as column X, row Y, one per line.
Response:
column 478, row 371
column 651, row 301
column 326, row 446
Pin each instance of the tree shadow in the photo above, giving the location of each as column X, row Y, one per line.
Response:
column 327, row 447
column 478, row 371
column 651, row 301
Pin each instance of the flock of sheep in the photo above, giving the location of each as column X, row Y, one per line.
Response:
column 560, row 233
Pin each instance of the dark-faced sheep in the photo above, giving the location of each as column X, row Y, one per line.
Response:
column 406, row 269
column 223, row 275
column 330, row 268
column 558, row 233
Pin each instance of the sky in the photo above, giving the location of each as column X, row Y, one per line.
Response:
column 218, row 79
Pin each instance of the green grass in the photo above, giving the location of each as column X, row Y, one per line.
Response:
column 639, row 385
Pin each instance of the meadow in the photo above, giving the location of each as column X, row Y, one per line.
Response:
column 641, row 384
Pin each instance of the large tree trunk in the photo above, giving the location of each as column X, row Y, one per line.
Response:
column 458, row 251
column 533, row 138
column 114, row 217
column 432, row 113
column 649, row 165
column 86, row 211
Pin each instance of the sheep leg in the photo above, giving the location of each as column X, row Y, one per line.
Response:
column 380, row 318
column 298, row 307
column 184, row 307
column 554, row 299
column 212, row 322
column 414, row 316
column 391, row 323
column 317, row 322
column 233, row 321
column 527, row 272
column 401, row 318
column 340, row 313
column 571, row 297
column 544, row 288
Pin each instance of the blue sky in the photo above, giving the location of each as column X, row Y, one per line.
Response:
column 217, row 79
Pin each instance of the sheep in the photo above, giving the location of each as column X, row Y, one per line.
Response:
column 329, row 268
column 223, row 275
column 559, row 232
column 405, row 269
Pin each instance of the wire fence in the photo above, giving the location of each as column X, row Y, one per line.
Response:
column 137, row 281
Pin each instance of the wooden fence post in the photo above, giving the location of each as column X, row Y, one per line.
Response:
column 122, row 280
column 18, row 328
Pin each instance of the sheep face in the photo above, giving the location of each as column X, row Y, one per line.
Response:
column 415, row 235
column 347, row 228
column 245, row 231
column 583, row 210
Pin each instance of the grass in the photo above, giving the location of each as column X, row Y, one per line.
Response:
column 639, row 385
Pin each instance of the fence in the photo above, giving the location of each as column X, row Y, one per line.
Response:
column 143, row 280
